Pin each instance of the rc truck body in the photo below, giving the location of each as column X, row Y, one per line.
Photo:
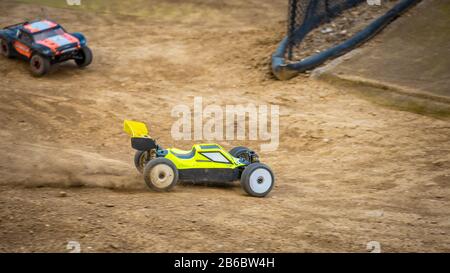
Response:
column 44, row 43
column 162, row 168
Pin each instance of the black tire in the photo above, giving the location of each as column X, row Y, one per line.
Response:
column 86, row 57
column 141, row 158
column 39, row 65
column 5, row 48
column 257, row 179
column 239, row 152
column 160, row 174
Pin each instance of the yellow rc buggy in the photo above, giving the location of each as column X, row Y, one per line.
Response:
column 162, row 168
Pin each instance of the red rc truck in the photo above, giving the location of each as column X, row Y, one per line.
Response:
column 44, row 43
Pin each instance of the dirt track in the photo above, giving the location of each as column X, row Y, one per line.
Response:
column 348, row 171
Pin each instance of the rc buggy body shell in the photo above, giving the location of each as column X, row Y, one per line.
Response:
column 206, row 162
column 193, row 165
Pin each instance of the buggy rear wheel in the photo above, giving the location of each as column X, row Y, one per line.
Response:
column 39, row 65
column 141, row 158
column 160, row 174
column 5, row 48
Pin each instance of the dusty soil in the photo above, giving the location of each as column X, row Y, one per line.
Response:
column 347, row 171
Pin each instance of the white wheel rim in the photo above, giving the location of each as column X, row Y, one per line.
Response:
column 260, row 180
column 161, row 176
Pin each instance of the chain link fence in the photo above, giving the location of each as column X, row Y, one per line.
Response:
column 306, row 15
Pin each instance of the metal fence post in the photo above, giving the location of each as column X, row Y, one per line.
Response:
column 292, row 14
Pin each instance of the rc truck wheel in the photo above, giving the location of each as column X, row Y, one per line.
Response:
column 160, row 174
column 257, row 179
column 5, row 48
column 39, row 65
column 240, row 151
column 141, row 158
column 85, row 59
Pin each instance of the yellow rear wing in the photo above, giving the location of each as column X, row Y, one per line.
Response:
column 135, row 128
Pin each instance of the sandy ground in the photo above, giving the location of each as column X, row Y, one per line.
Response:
column 347, row 171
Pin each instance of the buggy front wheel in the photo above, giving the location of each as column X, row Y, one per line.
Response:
column 84, row 57
column 257, row 179
column 240, row 152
